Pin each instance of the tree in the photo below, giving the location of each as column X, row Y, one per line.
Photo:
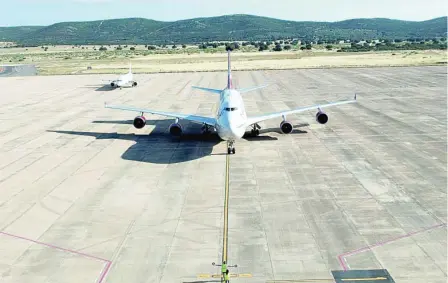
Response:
column 132, row 48
column 151, row 47
column 302, row 48
column 174, row 46
column 287, row 47
column 263, row 46
column 277, row 47
column 329, row 47
column 308, row 47
column 119, row 47
column 184, row 46
column 102, row 48
column 232, row 46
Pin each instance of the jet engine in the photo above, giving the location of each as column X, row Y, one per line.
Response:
column 112, row 84
column 321, row 117
column 286, row 127
column 134, row 84
column 176, row 129
column 139, row 122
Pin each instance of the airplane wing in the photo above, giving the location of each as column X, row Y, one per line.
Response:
column 257, row 119
column 247, row 89
column 212, row 90
column 192, row 118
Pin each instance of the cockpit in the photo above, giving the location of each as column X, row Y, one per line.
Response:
column 231, row 108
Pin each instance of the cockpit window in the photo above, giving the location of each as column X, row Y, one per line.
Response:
column 231, row 108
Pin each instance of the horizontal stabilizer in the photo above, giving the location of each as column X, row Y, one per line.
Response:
column 218, row 91
column 247, row 89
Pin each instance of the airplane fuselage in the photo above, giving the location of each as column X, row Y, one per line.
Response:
column 231, row 116
column 124, row 80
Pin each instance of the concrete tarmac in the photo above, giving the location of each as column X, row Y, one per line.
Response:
column 85, row 197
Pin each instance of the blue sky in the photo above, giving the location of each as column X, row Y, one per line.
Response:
column 46, row 12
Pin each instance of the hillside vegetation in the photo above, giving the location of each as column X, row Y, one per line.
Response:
column 223, row 28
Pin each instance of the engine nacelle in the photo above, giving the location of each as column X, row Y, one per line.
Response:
column 134, row 84
column 176, row 129
column 112, row 84
column 286, row 127
column 139, row 122
column 321, row 117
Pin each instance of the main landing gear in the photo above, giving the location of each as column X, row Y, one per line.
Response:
column 255, row 130
column 230, row 147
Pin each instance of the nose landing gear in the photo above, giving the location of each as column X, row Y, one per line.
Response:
column 230, row 147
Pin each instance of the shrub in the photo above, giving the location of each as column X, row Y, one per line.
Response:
column 277, row 47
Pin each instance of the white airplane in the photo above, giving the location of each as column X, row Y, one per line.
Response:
column 124, row 80
column 231, row 120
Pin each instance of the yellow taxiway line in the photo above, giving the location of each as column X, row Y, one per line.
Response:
column 226, row 212
column 364, row 279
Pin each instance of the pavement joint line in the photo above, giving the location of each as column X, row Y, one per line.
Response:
column 104, row 271
column 342, row 257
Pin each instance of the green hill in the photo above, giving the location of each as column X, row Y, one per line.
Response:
column 16, row 33
column 223, row 28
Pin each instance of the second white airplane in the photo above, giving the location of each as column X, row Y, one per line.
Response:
column 126, row 80
column 231, row 120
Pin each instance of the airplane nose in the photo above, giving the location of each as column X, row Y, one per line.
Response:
column 235, row 131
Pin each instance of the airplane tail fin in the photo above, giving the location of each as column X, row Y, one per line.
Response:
column 229, row 72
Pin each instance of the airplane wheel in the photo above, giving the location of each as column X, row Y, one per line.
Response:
column 229, row 151
column 233, row 150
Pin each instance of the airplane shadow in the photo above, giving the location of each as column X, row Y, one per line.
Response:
column 99, row 87
column 160, row 147
column 248, row 136
column 105, row 88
